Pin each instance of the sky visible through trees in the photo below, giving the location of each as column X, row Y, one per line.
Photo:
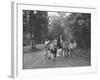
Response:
column 41, row 25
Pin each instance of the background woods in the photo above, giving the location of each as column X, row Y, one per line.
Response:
column 35, row 25
column 41, row 25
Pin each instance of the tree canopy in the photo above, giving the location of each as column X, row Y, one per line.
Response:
column 35, row 23
column 40, row 26
column 80, row 24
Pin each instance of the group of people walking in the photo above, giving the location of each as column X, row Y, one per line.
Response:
column 59, row 46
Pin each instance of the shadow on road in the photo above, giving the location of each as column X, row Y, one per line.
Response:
column 25, row 51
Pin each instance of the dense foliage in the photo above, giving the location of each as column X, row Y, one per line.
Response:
column 81, row 28
column 40, row 26
column 36, row 24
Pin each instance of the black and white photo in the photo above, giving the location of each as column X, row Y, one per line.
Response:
column 56, row 39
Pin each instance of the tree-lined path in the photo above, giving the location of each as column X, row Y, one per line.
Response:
column 40, row 26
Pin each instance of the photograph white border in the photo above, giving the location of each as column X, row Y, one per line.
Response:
column 17, row 41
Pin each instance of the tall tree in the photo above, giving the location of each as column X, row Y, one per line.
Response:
column 37, row 25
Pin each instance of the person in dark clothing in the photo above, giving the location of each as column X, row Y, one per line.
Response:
column 59, row 43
